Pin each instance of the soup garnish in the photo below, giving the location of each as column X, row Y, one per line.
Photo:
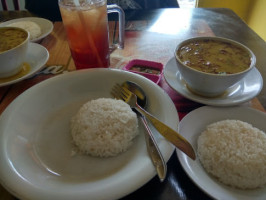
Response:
column 216, row 57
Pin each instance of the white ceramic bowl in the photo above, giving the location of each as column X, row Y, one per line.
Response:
column 11, row 60
column 207, row 84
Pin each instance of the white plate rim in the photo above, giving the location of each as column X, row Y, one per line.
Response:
column 45, row 24
column 194, row 169
column 112, row 194
column 174, row 80
column 37, row 56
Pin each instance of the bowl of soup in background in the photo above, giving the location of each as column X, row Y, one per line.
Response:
column 13, row 49
column 210, row 65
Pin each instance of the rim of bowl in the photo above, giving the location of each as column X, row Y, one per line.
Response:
column 26, row 40
column 253, row 57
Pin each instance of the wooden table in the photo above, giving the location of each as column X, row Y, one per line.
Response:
column 152, row 35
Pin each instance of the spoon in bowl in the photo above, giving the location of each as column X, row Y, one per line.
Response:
column 152, row 146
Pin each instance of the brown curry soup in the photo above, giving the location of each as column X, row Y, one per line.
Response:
column 214, row 56
column 11, row 37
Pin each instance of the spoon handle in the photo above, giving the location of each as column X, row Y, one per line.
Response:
column 172, row 136
column 154, row 151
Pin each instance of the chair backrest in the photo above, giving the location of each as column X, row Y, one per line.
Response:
column 15, row 4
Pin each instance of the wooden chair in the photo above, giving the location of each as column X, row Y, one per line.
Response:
column 15, row 3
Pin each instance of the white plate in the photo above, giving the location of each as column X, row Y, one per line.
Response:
column 35, row 142
column 193, row 124
column 243, row 91
column 36, row 57
column 46, row 25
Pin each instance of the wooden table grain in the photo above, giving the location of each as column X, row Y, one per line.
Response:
column 151, row 36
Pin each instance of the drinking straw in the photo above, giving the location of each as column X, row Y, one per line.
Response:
column 90, row 40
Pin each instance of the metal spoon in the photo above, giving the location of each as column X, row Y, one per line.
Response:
column 152, row 147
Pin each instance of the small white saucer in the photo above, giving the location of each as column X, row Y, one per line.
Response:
column 36, row 57
column 243, row 91
column 45, row 25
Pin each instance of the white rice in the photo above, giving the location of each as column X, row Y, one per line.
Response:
column 104, row 127
column 235, row 153
column 33, row 28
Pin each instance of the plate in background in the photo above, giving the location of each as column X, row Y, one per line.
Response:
column 45, row 25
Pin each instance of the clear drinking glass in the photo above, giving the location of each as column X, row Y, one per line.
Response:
column 86, row 25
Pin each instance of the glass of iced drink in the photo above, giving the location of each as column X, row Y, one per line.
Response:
column 86, row 25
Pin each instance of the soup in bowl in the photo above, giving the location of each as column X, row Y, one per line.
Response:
column 13, row 49
column 210, row 65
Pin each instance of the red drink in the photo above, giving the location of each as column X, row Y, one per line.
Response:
column 87, row 32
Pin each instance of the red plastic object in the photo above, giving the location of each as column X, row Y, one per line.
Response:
column 149, row 69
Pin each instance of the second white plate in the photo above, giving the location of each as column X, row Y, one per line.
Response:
column 243, row 91
column 193, row 124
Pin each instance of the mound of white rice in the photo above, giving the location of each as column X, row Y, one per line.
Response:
column 33, row 28
column 104, row 127
column 234, row 152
